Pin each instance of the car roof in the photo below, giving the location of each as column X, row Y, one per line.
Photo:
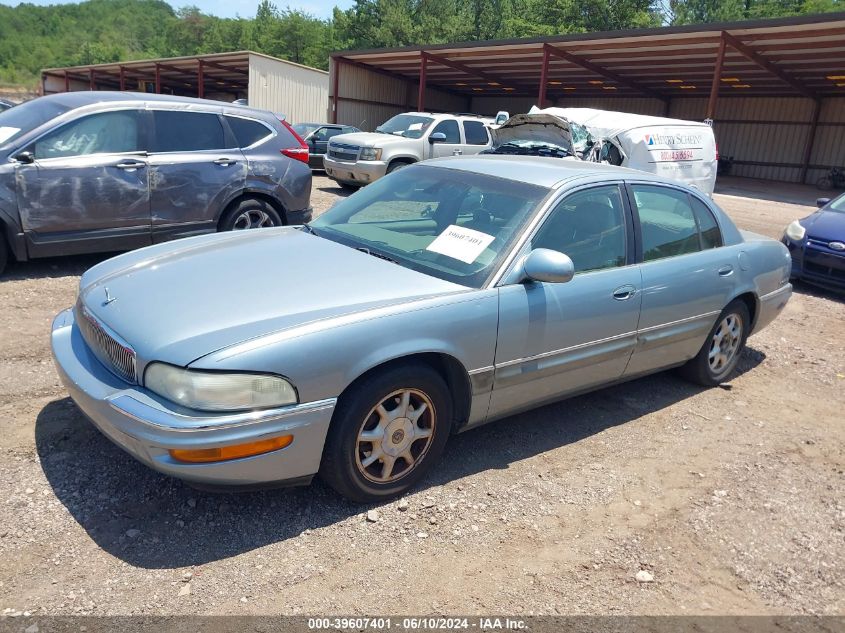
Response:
column 540, row 170
column 82, row 98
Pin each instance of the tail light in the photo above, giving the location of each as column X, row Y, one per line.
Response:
column 297, row 153
column 717, row 151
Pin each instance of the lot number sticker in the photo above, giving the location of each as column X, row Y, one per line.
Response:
column 459, row 243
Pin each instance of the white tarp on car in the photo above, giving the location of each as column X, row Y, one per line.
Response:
column 682, row 150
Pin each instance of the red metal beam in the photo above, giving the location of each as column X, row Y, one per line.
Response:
column 469, row 70
column 421, row 92
column 200, row 79
column 811, row 139
column 122, row 78
column 240, row 71
column 158, row 78
column 747, row 52
column 544, row 78
column 716, row 81
column 67, row 82
column 603, row 72
column 91, row 84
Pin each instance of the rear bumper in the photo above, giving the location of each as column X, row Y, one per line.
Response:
column 354, row 173
column 146, row 427
column 771, row 305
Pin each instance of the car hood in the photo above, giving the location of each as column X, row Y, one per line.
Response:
column 179, row 301
column 826, row 225
column 370, row 139
column 543, row 128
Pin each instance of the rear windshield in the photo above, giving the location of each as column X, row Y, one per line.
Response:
column 17, row 121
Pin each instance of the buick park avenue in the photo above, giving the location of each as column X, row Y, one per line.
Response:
column 443, row 296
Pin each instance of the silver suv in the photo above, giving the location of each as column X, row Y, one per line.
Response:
column 360, row 158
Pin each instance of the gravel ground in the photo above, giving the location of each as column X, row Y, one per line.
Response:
column 652, row 497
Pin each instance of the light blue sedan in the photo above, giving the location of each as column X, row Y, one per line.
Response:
column 446, row 295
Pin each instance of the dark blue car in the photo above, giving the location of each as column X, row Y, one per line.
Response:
column 817, row 245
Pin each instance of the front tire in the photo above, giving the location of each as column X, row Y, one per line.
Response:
column 387, row 431
column 4, row 254
column 719, row 355
column 251, row 213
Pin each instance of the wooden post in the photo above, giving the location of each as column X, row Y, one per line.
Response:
column 122, row 78
column 811, row 140
column 335, row 87
column 158, row 79
column 91, row 84
column 200, row 79
column 421, row 93
column 717, row 80
column 544, row 77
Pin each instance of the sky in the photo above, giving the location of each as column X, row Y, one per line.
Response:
column 233, row 8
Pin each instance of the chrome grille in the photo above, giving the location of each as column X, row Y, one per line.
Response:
column 117, row 357
column 341, row 151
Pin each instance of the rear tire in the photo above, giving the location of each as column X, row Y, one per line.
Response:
column 250, row 213
column 719, row 355
column 387, row 431
column 396, row 166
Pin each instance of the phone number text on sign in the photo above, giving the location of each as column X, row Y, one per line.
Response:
column 680, row 154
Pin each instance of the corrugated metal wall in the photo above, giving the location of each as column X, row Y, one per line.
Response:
column 368, row 99
column 298, row 92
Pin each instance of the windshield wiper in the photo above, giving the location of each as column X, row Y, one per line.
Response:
column 309, row 229
column 377, row 254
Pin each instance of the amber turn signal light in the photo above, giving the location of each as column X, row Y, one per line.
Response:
column 205, row 455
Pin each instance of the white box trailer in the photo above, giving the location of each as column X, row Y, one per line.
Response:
column 682, row 150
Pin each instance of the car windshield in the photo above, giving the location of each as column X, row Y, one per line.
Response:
column 451, row 224
column 304, row 129
column 17, row 121
column 407, row 125
column 837, row 205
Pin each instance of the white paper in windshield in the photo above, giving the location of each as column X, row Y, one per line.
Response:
column 8, row 132
column 415, row 126
column 459, row 243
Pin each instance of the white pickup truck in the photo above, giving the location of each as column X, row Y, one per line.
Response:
column 354, row 160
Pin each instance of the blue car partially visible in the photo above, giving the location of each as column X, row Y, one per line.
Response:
column 817, row 245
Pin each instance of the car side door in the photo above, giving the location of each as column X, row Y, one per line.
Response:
column 556, row 339
column 476, row 137
column 196, row 168
column 452, row 145
column 689, row 276
column 86, row 188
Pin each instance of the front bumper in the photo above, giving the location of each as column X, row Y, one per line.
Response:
column 146, row 427
column 299, row 217
column 817, row 264
column 354, row 173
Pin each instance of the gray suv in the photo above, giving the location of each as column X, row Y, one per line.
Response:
column 84, row 172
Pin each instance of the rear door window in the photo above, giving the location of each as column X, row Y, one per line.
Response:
column 103, row 133
column 177, row 131
column 247, row 131
column 711, row 236
column 476, row 133
column 667, row 222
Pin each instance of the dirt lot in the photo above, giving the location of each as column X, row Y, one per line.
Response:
column 732, row 498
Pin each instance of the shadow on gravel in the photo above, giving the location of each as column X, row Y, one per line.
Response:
column 802, row 287
column 111, row 495
column 53, row 267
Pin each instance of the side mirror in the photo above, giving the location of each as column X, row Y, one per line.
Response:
column 436, row 137
column 549, row 266
column 822, row 202
column 27, row 158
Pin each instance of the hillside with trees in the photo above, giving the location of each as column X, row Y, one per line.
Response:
column 34, row 37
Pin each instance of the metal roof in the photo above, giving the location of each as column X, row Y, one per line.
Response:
column 802, row 55
column 225, row 71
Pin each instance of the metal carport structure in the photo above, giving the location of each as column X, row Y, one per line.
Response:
column 775, row 89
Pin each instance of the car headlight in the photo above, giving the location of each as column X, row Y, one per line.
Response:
column 218, row 391
column 795, row 231
column 371, row 153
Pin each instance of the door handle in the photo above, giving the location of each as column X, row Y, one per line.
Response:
column 726, row 271
column 457, row 152
column 131, row 164
column 225, row 161
column 623, row 293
